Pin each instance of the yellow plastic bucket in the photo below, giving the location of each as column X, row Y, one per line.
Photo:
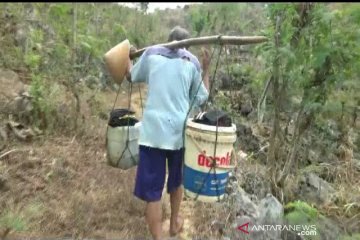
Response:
column 199, row 152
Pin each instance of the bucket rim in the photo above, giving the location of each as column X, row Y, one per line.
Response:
column 205, row 127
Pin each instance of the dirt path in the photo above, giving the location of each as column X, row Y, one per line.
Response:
column 186, row 211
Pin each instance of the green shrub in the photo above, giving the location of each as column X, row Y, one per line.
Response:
column 10, row 220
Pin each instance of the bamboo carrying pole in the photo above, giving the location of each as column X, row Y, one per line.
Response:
column 218, row 39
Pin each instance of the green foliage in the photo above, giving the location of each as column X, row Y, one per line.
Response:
column 223, row 102
column 198, row 20
column 12, row 221
column 58, row 11
column 32, row 60
column 300, row 211
column 60, row 52
column 37, row 90
column 352, row 237
column 236, row 69
column 225, row 18
column 314, row 60
column 19, row 220
column 90, row 45
column 66, row 42
column 40, row 101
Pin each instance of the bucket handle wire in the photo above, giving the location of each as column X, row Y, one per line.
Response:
column 134, row 162
column 213, row 164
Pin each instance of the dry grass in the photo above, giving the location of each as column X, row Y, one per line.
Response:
column 76, row 192
column 80, row 195
column 210, row 219
column 347, row 208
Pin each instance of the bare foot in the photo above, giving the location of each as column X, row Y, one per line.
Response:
column 176, row 227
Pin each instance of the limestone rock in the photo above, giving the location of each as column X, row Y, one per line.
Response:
column 315, row 190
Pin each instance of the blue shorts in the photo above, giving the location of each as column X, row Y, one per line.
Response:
column 151, row 172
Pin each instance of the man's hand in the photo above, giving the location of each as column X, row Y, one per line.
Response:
column 205, row 60
column 128, row 69
column 132, row 49
column 205, row 56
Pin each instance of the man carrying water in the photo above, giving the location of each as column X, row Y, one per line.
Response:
column 174, row 80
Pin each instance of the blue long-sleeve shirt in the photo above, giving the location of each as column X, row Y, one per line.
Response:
column 174, row 81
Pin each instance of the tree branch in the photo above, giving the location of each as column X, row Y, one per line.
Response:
column 218, row 39
column 7, row 153
column 262, row 98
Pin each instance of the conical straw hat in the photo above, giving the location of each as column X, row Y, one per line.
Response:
column 117, row 60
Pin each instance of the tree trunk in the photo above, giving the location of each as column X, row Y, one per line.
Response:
column 97, row 10
column 294, row 147
column 73, row 85
column 305, row 119
column 74, row 30
column 274, row 146
column 299, row 23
